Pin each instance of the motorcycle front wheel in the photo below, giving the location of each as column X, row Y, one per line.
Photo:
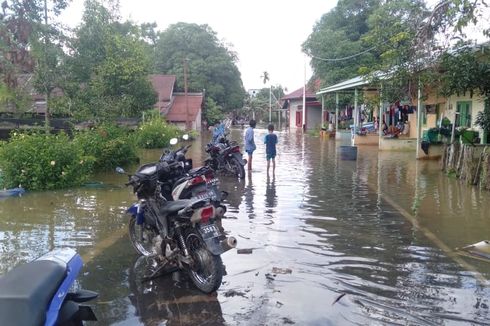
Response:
column 141, row 237
column 207, row 270
column 238, row 168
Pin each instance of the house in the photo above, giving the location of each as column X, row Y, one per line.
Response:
column 37, row 106
column 293, row 103
column 388, row 116
column 177, row 108
column 430, row 110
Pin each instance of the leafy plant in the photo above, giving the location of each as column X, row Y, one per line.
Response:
column 483, row 117
column 155, row 133
column 108, row 144
column 41, row 162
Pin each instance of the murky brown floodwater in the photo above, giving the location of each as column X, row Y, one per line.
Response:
column 381, row 230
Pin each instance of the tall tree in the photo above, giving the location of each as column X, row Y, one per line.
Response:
column 265, row 77
column 392, row 29
column 21, row 31
column 339, row 34
column 212, row 66
column 109, row 67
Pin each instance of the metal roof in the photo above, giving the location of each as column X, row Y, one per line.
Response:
column 353, row 83
column 345, row 85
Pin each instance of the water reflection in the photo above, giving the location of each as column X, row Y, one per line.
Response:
column 248, row 194
column 270, row 194
column 332, row 223
column 167, row 301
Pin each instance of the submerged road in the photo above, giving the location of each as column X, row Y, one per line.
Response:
column 327, row 242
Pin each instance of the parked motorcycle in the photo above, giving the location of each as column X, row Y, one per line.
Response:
column 181, row 234
column 225, row 156
column 38, row 293
column 184, row 182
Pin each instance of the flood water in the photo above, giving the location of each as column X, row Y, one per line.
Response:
column 379, row 233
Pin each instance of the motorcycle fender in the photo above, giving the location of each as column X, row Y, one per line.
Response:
column 137, row 213
column 240, row 159
column 214, row 246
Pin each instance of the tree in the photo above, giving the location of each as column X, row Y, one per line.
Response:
column 211, row 64
column 392, row 29
column 109, row 67
column 212, row 112
column 339, row 34
column 265, row 77
column 21, row 30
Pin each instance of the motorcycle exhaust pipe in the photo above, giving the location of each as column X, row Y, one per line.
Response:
column 220, row 211
column 229, row 243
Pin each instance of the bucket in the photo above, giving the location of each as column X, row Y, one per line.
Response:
column 348, row 153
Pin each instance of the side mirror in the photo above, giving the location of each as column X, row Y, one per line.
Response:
column 120, row 170
column 174, row 141
column 185, row 137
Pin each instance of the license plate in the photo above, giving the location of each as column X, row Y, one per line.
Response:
column 213, row 182
column 209, row 231
column 205, row 194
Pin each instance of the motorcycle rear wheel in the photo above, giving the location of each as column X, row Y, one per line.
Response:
column 207, row 272
column 141, row 237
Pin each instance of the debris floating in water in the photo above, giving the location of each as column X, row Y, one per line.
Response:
column 479, row 250
column 338, row 298
column 277, row 270
column 245, row 251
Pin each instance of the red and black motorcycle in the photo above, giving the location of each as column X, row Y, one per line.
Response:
column 225, row 156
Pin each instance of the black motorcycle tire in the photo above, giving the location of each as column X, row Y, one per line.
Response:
column 206, row 278
column 143, row 248
column 238, row 168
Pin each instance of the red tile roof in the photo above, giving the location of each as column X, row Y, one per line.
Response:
column 299, row 94
column 177, row 112
column 164, row 86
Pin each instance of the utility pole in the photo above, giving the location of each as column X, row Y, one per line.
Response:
column 304, row 97
column 270, row 103
column 187, row 125
column 46, row 86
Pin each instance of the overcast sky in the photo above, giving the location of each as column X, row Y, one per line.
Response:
column 266, row 34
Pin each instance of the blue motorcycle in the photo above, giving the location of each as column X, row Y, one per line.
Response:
column 38, row 293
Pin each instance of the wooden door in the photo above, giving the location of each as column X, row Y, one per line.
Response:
column 299, row 119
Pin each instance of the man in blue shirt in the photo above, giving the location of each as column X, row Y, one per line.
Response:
column 250, row 142
column 270, row 141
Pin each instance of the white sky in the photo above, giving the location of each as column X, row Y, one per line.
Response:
column 266, row 34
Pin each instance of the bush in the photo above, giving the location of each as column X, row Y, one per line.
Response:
column 155, row 133
column 41, row 162
column 110, row 145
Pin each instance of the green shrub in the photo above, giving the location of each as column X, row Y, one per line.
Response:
column 155, row 133
column 110, row 145
column 40, row 162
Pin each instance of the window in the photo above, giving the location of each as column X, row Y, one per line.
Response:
column 464, row 110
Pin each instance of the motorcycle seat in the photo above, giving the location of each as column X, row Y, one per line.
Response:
column 196, row 171
column 27, row 290
column 175, row 206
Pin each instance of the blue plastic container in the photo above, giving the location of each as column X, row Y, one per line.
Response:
column 348, row 153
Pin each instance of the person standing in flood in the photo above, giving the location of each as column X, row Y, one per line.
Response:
column 270, row 141
column 250, row 142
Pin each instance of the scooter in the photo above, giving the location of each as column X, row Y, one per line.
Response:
column 38, row 293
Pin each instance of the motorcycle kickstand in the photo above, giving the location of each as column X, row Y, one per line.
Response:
column 159, row 272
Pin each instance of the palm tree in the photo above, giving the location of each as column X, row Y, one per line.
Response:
column 265, row 77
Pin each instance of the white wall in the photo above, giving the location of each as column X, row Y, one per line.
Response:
column 294, row 106
column 477, row 105
column 313, row 118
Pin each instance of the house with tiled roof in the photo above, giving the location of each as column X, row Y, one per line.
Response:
column 177, row 108
column 293, row 103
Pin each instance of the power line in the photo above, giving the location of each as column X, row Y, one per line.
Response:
column 345, row 58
